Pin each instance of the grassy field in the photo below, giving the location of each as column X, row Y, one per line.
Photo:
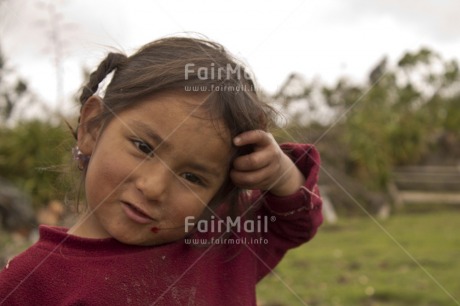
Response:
column 409, row 259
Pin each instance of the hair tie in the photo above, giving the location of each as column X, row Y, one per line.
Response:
column 112, row 62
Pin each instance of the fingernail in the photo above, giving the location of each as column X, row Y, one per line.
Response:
column 237, row 140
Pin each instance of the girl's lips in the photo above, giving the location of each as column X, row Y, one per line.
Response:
column 135, row 214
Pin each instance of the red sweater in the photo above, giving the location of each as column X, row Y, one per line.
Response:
column 62, row 269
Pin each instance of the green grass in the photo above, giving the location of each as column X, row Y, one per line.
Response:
column 409, row 259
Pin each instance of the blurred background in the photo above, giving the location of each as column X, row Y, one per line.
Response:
column 375, row 85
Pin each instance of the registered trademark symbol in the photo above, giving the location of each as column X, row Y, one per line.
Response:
column 273, row 218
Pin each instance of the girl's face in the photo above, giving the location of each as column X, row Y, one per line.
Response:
column 151, row 166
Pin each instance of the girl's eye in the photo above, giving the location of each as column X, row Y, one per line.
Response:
column 192, row 178
column 143, row 147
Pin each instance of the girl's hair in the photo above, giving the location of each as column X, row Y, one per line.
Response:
column 191, row 66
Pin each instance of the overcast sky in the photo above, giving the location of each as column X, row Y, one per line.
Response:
column 318, row 39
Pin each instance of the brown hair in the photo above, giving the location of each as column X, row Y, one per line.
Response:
column 187, row 65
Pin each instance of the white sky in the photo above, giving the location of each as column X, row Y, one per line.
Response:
column 320, row 39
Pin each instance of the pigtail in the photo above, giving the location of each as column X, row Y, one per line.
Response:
column 111, row 62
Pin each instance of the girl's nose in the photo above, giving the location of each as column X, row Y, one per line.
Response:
column 153, row 180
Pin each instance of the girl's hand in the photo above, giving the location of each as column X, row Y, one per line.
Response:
column 267, row 167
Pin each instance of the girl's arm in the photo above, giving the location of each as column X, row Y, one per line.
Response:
column 287, row 177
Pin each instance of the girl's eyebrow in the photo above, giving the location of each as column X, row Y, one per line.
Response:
column 202, row 168
column 147, row 130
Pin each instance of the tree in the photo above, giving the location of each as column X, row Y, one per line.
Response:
column 12, row 89
column 407, row 114
column 34, row 153
column 36, row 156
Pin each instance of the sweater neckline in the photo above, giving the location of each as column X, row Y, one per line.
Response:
column 56, row 239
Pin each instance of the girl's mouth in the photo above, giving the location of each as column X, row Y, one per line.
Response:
column 135, row 214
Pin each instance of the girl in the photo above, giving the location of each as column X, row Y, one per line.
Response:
column 167, row 156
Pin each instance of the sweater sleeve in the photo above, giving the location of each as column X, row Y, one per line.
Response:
column 294, row 219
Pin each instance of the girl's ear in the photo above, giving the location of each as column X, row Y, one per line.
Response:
column 87, row 135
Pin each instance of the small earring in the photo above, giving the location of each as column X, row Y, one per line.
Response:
column 81, row 158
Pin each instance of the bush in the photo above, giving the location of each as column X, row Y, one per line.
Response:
column 35, row 156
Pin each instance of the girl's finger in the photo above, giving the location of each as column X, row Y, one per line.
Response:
column 251, row 180
column 254, row 137
column 253, row 161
